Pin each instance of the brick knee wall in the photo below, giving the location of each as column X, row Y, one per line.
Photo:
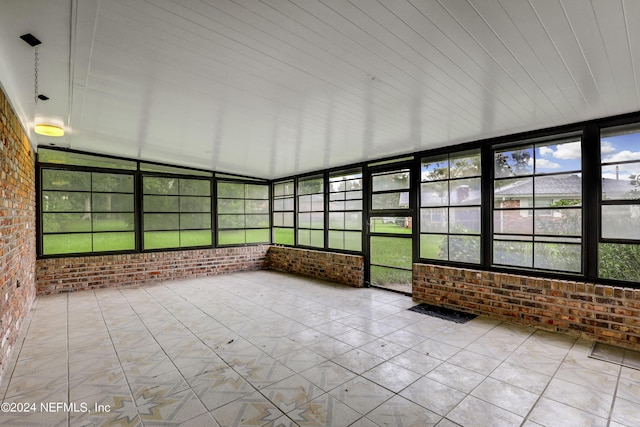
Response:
column 17, row 228
column 341, row 268
column 596, row 312
column 55, row 275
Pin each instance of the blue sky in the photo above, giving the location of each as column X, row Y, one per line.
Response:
column 620, row 148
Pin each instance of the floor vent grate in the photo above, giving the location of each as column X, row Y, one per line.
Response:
column 443, row 313
column 617, row 355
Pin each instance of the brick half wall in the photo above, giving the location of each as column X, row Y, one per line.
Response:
column 595, row 312
column 336, row 267
column 55, row 275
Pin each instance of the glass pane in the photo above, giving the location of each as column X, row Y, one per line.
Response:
column 514, row 162
column 317, row 220
column 231, row 221
column 558, row 190
column 160, row 185
column 513, row 193
column 231, row 237
column 337, row 206
column 195, row 238
column 54, row 244
column 391, row 251
column 288, row 219
column 254, row 191
column 257, row 206
column 353, row 195
column 112, row 183
column 195, row 187
column 464, row 165
column 390, row 200
column 103, row 242
column 230, row 206
column 391, row 181
column 195, row 204
column 465, row 191
column 621, row 262
column 559, row 222
column 283, row 188
column 278, row 205
column 257, row 221
column 112, row 202
column 278, row 219
column 161, row 239
column 434, row 246
column 195, row 221
column 558, row 257
column 355, row 184
column 337, row 196
column 391, row 278
column 336, row 239
column 113, row 222
column 304, row 203
column 231, row 190
column 336, row 220
column 161, row 203
column 317, row 202
column 283, row 236
column 310, row 186
column 61, row 201
column 620, row 144
column 304, row 237
column 288, row 204
column 317, row 238
column 257, row 236
column 66, row 180
column 513, row 222
column 435, row 168
column 390, row 224
column 552, row 157
column 434, row 220
column 353, row 221
column 621, row 182
column 67, row 158
column 353, row 241
column 161, row 221
column 464, row 249
column 353, row 205
column 65, row 222
column 464, row 220
column 304, row 220
column 513, row 253
column 434, row 194
column 621, row 222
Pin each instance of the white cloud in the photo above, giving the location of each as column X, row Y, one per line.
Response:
column 624, row 156
column 607, row 148
column 546, row 164
column 568, row 151
column 545, row 150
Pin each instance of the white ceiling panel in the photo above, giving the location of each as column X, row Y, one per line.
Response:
column 271, row 88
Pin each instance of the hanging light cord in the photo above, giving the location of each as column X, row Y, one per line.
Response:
column 36, row 61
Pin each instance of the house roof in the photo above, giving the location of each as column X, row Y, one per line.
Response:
column 556, row 185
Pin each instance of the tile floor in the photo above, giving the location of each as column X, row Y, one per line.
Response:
column 264, row 348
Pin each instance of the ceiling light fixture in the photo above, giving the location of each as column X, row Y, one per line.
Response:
column 49, row 130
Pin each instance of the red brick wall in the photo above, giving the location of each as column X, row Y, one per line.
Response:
column 596, row 312
column 56, row 275
column 17, row 228
column 336, row 267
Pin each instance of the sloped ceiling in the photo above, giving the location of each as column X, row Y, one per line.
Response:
column 273, row 88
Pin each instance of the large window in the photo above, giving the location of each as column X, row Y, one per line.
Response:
column 283, row 213
column 243, row 213
column 619, row 248
column 86, row 212
column 345, row 210
column 450, row 202
column 177, row 212
column 311, row 211
column 537, row 206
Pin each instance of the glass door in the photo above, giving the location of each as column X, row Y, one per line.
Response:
column 390, row 230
